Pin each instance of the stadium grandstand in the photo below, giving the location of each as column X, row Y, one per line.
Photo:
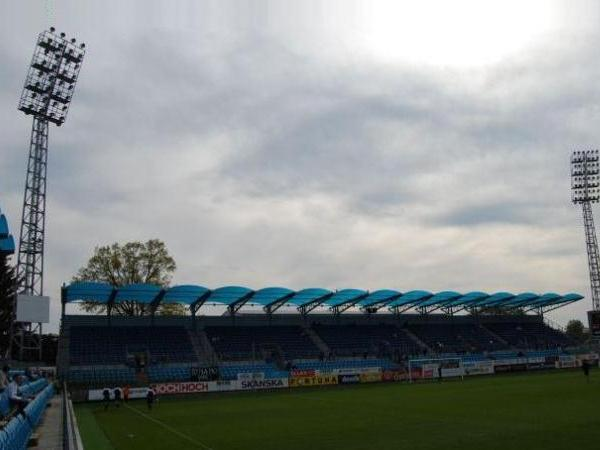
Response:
column 311, row 329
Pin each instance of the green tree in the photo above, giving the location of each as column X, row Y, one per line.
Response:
column 8, row 283
column 130, row 263
column 575, row 330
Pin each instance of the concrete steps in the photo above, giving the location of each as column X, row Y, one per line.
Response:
column 416, row 340
column 316, row 339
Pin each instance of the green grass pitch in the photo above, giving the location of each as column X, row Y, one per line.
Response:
column 555, row 410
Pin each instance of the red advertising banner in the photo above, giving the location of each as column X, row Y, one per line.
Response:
column 297, row 373
column 394, row 375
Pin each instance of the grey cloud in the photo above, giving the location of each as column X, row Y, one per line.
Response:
column 261, row 164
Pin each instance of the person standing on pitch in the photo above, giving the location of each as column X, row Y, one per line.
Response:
column 117, row 397
column 585, row 366
column 150, row 395
column 106, row 397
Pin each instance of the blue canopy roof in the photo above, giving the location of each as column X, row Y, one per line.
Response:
column 236, row 296
column 3, row 226
column 307, row 296
column 441, row 298
column 269, row 295
column 7, row 242
column 88, row 291
column 410, row 298
column 521, row 299
column 7, row 245
column 495, row 299
column 470, row 298
column 139, row 293
column 379, row 297
column 229, row 295
column 345, row 296
column 186, row 294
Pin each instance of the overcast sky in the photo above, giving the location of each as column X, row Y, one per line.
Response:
column 404, row 145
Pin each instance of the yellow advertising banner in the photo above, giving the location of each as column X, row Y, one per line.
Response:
column 370, row 377
column 317, row 380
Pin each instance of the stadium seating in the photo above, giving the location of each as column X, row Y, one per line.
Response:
column 101, row 375
column 328, row 366
column 159, row 374
column 354, row 340
column 101, row 354
column 15, row 435
column 111, row 345
column 231, row 371
column 242, row 342
column 533, row 335
column 456, row 338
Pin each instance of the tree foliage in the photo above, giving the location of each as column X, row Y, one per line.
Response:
column 130, row 263
column 8, row 283
column 575, row 330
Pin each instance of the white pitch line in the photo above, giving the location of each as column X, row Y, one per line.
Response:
column 169, row 428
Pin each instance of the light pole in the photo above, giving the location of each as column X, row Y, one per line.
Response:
column 46, row 96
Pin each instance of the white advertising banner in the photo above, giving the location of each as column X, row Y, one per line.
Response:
column 452, row 371
column 566, row 362
column 267, row 383
column 98, row 394
column 479, row 367
column 248, row 376
column 197, row 387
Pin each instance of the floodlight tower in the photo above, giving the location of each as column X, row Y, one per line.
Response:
column 585, row 183
column 46, row 96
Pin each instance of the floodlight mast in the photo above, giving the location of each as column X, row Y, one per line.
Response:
column 585, row 190
column 46, row 96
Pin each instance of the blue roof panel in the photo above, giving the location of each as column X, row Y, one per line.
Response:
column 7, row 245
column 228, row 295
column 186, row 294
column 306, row 296
column 3, row 226
column 345, row 296
column 441, row 298
column 411, row 297
column 88, row 291
column 270, row 295
column 140, row 293
column 522, row 299
column 469, row 299
column 379, row 297
column 496, row 299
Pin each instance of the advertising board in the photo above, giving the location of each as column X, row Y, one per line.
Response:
column 318, row 380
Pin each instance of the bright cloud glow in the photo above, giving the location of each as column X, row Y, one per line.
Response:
column 456, row 33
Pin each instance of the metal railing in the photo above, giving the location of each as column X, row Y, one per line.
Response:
column 71, row 437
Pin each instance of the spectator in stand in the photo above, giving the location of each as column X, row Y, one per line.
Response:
column 117, row 394
column 106, row 397
column 4, row 378
column 14, row 395
column 126, row 393
column 150, row 396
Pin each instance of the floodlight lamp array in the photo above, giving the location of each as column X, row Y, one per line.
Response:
column 52, row 76
column 585, row 176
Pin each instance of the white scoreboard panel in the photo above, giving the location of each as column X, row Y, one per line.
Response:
column 33, row 308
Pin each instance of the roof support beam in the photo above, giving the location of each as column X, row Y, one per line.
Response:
column 345, row 306
column 308, row 307
column 194, row 307
column 272, row 307
column 235, row 307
